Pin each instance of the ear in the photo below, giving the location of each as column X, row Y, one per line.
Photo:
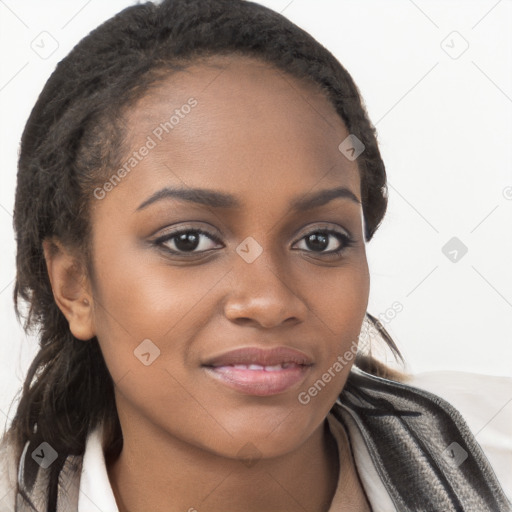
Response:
column 71, row 288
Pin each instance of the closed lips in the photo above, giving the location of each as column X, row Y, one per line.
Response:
column 267, row 368
column 260, row 372
column 255, row 358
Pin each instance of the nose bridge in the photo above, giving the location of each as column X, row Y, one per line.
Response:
column 262, row 289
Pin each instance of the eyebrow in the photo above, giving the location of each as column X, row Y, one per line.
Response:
column 216, row 199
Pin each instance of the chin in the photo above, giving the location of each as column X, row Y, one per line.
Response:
column 267, row 435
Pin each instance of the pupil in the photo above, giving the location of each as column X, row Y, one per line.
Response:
column 317, row 241
column 187, row 241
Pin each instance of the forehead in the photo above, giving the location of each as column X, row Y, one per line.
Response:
column 235, row 122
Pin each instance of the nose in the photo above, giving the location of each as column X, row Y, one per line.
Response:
column 264, row 295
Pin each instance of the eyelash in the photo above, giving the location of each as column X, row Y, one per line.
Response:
column 346, row 240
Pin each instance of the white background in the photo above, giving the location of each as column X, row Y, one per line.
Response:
column 445, row 132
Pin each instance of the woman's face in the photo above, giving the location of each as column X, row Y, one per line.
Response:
column 216, row 306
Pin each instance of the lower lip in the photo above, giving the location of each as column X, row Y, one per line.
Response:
column 259, row 382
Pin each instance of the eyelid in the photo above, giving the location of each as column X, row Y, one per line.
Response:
column 323, row 227
column 167, row 233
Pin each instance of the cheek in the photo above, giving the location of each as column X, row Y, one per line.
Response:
column 340, row 301
column 340, row 307
column 143, row 298
column 149, row 317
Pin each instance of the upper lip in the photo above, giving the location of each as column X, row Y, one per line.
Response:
column 260, row 356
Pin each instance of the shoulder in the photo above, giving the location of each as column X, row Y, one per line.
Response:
column 8, row 474
column 415, row 436
column 485, row 402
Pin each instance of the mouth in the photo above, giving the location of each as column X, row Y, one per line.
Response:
column 260, row 372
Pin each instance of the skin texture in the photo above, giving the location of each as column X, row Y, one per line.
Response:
column 266, row 138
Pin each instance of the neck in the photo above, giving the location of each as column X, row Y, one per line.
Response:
column 164, row 474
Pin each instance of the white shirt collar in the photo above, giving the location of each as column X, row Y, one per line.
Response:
column 96, row 492
column 376, row 493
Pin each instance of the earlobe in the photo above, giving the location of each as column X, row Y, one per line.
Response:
column 71, row 288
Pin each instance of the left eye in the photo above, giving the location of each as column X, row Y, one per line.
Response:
column 325, row 241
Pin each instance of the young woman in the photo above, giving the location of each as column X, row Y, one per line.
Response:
column 197, row 183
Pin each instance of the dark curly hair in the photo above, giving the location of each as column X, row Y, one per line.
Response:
column 75, row 134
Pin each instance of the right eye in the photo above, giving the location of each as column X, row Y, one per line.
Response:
column 183, row 241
